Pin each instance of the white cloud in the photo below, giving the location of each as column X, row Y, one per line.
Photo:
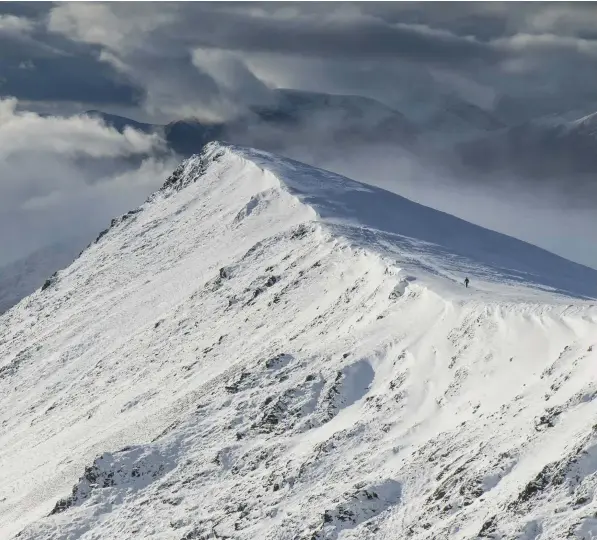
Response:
column 28, row 65
column 22, row 131
column 236, row 82
column 561, row 19
column 146, row 178
column 10, row 24
column 99, row 24
column 547, row 43
column 60, row 175
column 150, row 48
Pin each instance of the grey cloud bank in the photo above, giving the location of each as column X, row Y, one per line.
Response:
column 450, row 68
column 62, row 176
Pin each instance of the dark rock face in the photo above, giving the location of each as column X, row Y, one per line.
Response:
column 362, row 505
column 238, row 383
column 191, row 170
column 131, row 467
column 176, row 177
column 279, row 361
column 489, row 527
column 101, row 235
column 115, row 222
column 13, row 366
column 50, row 281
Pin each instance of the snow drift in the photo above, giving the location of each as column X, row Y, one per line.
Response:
column 267, row 350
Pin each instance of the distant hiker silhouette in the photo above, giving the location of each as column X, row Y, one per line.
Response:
column 466, row 281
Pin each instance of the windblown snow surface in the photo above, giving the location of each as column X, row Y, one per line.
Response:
column 265, row 350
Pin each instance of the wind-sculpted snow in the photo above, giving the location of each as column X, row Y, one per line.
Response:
column 249, row 356
column 379, row 219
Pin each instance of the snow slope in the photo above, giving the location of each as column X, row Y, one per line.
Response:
column 257, row 353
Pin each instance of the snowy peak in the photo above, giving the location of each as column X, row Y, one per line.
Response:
column 255, row 354
column 418, row 239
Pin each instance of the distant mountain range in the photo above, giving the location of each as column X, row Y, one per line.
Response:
column 537, row 149
column 464, row 137
column 299, row 117
column 294, row 118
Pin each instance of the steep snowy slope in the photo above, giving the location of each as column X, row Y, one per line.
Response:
column 259, row 353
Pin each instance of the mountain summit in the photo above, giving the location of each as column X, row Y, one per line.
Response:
column 268, row 350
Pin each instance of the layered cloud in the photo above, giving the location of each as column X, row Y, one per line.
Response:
column 23, row 131
column 161, row 56
column 65, row 175
column 11, row 24
column 159, row 62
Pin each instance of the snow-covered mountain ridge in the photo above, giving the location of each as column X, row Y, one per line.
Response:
column 256, row 353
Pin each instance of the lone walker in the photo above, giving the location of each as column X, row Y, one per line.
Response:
column 466, row 280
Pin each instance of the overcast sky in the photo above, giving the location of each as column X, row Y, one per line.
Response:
column 167, row 60
column 163, row 61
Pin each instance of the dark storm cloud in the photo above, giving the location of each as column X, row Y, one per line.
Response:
column 354, row 37
column 32, row 10
column 163, row 61
column 37, row 66
column 118, row 52
column 69, row 78
column 507, row 46
column 161, row 48
column 330, row 30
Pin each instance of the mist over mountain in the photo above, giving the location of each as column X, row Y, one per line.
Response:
column 295, row 118
column 446, row 145
column 543, row 152
column 446, row 134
